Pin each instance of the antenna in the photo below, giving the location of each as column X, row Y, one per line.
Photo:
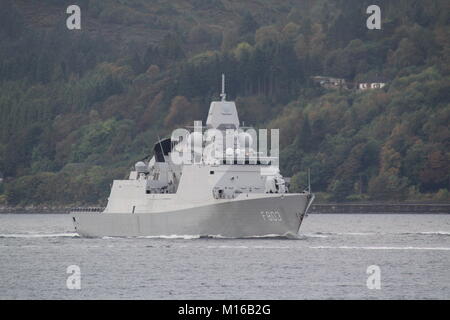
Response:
column 223, row 95
column 160, row 145
column 309, row 180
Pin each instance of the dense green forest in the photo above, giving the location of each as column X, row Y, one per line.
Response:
column 79, row 107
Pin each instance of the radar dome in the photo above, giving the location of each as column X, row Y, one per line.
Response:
column 141, row 167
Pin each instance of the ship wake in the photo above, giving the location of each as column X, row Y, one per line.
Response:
column 40, row 235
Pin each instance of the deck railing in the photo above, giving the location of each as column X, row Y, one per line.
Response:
column 88, row 210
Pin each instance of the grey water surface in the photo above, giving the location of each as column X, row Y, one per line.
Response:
column 329, row 261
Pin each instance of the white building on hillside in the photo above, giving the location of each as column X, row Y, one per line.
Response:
column 369, row 86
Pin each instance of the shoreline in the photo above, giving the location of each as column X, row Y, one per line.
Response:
column 381, row 208
column 321, row 208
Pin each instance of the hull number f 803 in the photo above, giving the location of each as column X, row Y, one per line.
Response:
column 271, row 216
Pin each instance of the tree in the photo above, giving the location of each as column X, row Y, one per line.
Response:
column 341, row 189
column 388, row 186
column 198, row 34
column 406, row 55
column 171, row 48
column 267, row 37
column 229, row 39
column 290, row 31
column 247, row 24
column 436, row 172
column 179, row 108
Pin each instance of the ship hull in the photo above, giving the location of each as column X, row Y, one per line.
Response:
column 271, row 216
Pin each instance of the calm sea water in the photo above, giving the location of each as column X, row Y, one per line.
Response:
column 329, row 262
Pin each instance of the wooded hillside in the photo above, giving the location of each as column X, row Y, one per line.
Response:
column 79, row 107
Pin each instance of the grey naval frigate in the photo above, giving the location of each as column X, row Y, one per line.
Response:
column 212, row 182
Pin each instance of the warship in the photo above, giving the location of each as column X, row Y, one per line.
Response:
column 213, row 181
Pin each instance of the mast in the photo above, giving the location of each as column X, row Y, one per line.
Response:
column 223, row 94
